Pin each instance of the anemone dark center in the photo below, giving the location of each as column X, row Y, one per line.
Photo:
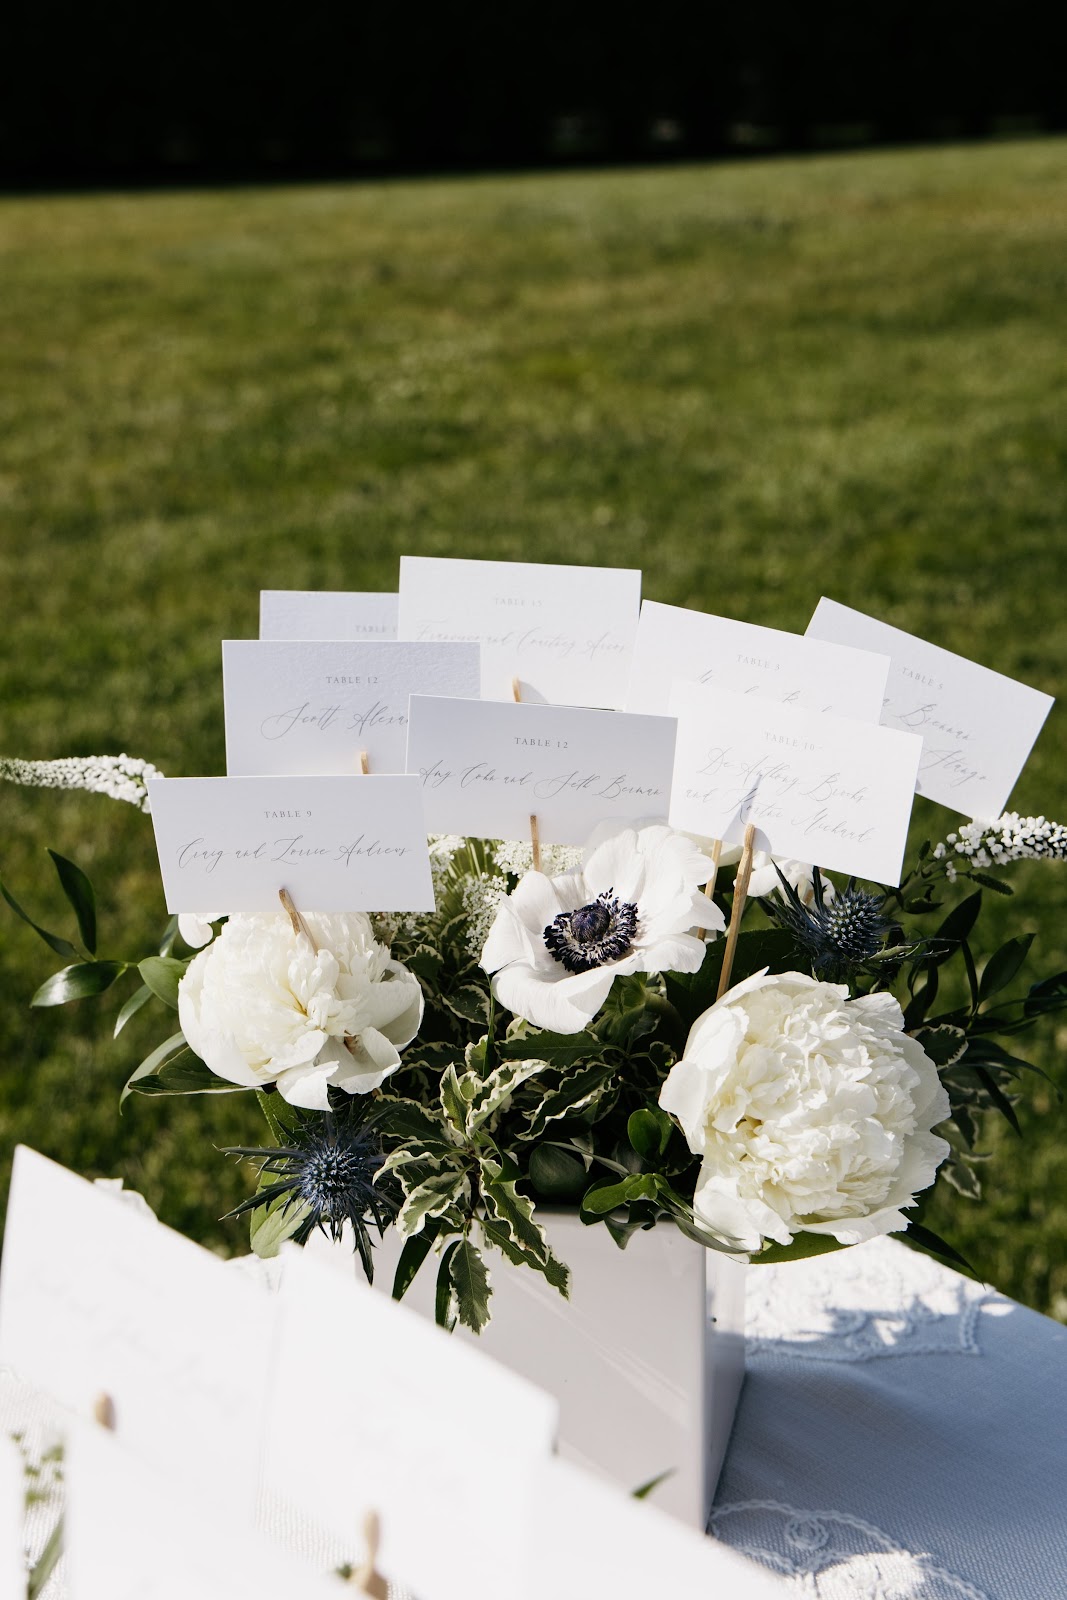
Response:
column 593, row 935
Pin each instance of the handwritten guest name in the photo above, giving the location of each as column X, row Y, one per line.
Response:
column 528, row 642
column 199, row 854
column 483, row 774
column 336, row 718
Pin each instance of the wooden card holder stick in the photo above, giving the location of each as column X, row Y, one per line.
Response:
column 364, row 764
column 709, row 887
column 299, row 925
column 737, row 910
column 104, row 1411
column 366, row 1576
column 535, row 831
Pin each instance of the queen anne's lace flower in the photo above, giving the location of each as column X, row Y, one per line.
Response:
column 557, row 944
column 260, row 1005
column 120, row 777
column 812, row 1112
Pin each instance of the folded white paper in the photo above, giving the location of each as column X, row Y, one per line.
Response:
column 824, row 789
column 977, row 727
column 566, row 633
column 336, row 844
column 130, row 1534
column 673, row 642
column 303, row 707
column 97, row 1299
column 486, row 768
column 398, row 1417
column 12, row 1505
column 326, row 614
column 597, row 1540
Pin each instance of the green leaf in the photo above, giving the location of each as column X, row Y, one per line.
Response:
column 513, row 1211
column 1002, row 966
column 433, row 1196
column 1048, row 995
column 958, row 924
column 560, row 1049
column 649, row 1130
column 998, row 1097
column 645, row 1489
column 130, row 1009
column 79, row 891
column 557, row 1174
column 62, row 947
column 934, row 1242
column 945, row 1045
column 470, row 1284
column 992, row 883
column 153, row 1062
column 799, row 1248
column 78, row 982
column 170, row 937
column 469, row 1002
column 271, row 1225
column 444, row 1316
column 163, row 974
column 177, row 1071
column 568, row 1095
column 412, row 1256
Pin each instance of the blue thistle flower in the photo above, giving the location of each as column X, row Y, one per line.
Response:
column 329, row 1167
column 839, row 937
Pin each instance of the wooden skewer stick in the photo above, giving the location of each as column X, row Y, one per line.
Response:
column 737, row 911
column 535, row 831
column 299, row 925
column 364, row 764
column 104, row 1411
column 709, row 887
column 367, row 1577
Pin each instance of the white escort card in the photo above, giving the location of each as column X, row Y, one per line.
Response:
column 486, row 768
column 673, row 642
column 326, row 614
column 12, row 1510
column 977, row 726
column 395, row 1415
column 336, row 844
column 566, row 633
column 604, row 1542
column 98, row 1299
column 130, row 1534
column 824, row 789
column 312, row 707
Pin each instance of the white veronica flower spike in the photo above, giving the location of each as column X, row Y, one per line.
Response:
column 557, row 944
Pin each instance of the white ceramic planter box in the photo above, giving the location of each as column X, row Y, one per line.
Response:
column 646, row 1357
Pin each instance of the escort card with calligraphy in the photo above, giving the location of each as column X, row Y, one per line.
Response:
column 818, row 788
column 336, row 844
column 97, row 1298
column 673, row 642
column 305, row 707
column 566, row 633
column 326, row 614
column 977, row 726
column 486, row 768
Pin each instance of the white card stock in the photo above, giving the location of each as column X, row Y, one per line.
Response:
column 600, row 1541
column 100, row 1299
column 12, row 1503
column 394, row 1415
column 673, row 642
column 130, row 1534
column 977, row 726
column 818, row 788
column 566, row 633
column 336, row 844
column 304, row 707
column 486, row 768
column 326, row 614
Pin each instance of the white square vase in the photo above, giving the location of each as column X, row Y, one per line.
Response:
column 645, row 1358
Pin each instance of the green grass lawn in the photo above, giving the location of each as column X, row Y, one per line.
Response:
column 760, row 383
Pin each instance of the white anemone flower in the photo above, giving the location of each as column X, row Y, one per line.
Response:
column 811, row 1112
column 263, row 1005
column 557, row 944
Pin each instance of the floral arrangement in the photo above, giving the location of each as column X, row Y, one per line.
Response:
column 585, row 1036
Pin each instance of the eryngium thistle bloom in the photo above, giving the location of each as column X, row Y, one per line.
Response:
column 839, row 937
column 327, row 1171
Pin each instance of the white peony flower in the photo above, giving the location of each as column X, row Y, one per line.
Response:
column 557, row 944
column 195, row 927
column 812, row 1112
column 261, row 1006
